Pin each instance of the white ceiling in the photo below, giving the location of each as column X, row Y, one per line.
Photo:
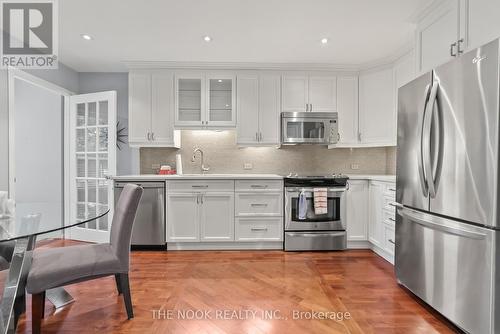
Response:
column 270, row 31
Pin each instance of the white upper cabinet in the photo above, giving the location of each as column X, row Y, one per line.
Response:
column 204, row 100
column 258, row 99
column 309, row 93
column 322, row 94
column 221, row 98
column 438, row 34
column 347, row 108
column 483, row 22
column 295, row 93
column 151, row 110
column 248, row 109
column 377, row 111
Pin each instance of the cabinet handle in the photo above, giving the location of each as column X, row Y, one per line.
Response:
column 256, row 136
column 258, row 186
column 307, row 106
column 392, row 219
column 459, row 47
column 391, row 241
column 152, row 136
column 260, row 136
column 149, row 136
column 452, row 50
column 201, row 197
column 255, row 229
column 338, row 136
column 258, row 204
column 311, row 107
column 392, row 189
column 199, row 186
column 198, row 199
column 359, row 136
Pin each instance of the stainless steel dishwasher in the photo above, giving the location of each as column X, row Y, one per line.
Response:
column 149, row 225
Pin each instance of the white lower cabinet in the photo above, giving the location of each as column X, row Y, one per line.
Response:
column 357, row 210
column 183, row 217
column 217, row 217
column 259, row 229
column 211, row 214
column 370, row 216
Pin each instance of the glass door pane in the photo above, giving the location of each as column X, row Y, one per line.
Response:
column 189, row 100
column 220, row 100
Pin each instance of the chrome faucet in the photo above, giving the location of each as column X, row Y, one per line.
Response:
column 204, row 168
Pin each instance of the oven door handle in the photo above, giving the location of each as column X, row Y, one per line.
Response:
column 330, row 190
column 313, row 235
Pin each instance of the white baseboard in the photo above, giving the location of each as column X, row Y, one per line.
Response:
column 365, row 244
column 269, row 245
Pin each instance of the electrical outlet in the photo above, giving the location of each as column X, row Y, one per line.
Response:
column 155, row 166
column 354, row 166
column 247, row 165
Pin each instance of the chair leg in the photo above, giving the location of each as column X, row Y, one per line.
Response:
column 118, row 284
column 37, row 312
column 125, row 288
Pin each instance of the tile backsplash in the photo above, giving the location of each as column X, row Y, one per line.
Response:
column 222, row 155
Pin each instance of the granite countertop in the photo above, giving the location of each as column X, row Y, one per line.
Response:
column 154, row 177
column 374, row 177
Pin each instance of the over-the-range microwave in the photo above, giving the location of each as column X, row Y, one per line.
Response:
column 309, row 128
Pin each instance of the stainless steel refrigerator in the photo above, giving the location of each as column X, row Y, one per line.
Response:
column 447, row 217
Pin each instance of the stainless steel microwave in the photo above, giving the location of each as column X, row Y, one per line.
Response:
column 309, row 128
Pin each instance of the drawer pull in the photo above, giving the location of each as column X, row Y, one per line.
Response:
column 396, row 205
column 196, row 186
column 392, row 189
column 258, row 204
column 256, row 229
column 392, row 219
column 258, row 186
column 391, row 241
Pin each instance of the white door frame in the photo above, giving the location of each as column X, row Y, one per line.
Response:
column 14, row 74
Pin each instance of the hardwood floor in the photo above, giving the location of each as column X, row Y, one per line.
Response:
column 355, row 284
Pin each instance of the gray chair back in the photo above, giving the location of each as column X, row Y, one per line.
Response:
column 123, row 220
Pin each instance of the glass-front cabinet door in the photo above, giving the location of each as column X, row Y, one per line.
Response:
column 190, row 100
column 221, row 100
column 205, row 100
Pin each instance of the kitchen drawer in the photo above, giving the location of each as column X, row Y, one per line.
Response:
column 386, row 203
column 259, row 185
column 200, row 185
column 390, row 191
column 259, row 229
column 259, row 204
column 389, row 238
column 389, row 217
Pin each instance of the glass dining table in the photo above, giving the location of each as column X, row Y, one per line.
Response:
column 18, row 234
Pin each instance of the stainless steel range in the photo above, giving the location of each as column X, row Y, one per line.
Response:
column 314, row 211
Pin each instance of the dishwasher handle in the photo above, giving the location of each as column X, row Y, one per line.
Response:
column 145, row 185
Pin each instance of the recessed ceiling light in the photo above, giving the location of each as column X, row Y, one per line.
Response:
column 86, row 37
column 324, row 40
column 219, row 80
column 207, row 39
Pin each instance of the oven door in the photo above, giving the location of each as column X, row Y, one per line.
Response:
column 305, row 130
column 331, row 221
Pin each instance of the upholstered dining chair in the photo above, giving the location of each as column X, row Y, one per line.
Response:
column 56, row 267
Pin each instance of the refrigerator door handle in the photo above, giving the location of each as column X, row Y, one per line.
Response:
column 420, row 219
column 420, row 158
column 426, row 139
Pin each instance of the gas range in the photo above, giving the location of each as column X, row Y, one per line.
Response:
column 332, row 180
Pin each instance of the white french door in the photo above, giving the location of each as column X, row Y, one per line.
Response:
column 92, row 163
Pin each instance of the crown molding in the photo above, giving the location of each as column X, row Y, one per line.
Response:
column 425, row 10
column 133, row 64
column 390, row 60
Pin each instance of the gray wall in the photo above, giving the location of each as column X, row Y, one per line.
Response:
column 127, row 158
column 63, row 76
